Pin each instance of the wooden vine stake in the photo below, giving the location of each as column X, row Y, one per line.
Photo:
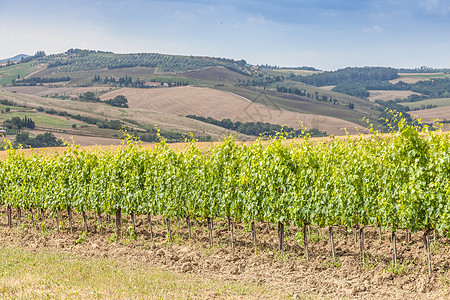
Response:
column 69, row 213
column 379, row 233
column 333, row 252
column 188, row 223
column 427, row 247
column 57, row 220
column 361, row 244
column 169, row 229
column 394, row 247
column 19, row 215
column 281, row 235
column 85, row 222
column 305, row 242
column 32, row 217
column 9, row 216
column 118, row 223
column 210, row 229
column 408, row 236
column 149, row 219
column 253, row 234
column 133, row 221
column 230, row 226
column 99, row 227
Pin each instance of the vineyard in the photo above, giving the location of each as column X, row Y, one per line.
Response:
column 396, row 182
column 84, row 60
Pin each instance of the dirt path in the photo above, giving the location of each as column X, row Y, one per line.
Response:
column 288, row 272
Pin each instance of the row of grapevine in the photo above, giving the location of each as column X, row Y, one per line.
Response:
column 395, row 181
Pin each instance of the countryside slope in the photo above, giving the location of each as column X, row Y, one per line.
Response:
column 145, row 117
column 220, row 105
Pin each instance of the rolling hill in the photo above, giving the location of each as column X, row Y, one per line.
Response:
column 217, row 87
column 220, row 105
column 15, row 58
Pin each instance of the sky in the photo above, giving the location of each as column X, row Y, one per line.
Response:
column 326, row 34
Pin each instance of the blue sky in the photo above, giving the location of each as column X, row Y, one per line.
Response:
column 327, row 34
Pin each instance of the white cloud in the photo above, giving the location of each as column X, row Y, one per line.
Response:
column 373, row 28
column 439, row 7
column 258, row 19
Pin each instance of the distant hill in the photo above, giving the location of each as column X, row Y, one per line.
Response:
column 15, row 58
column 75, row 60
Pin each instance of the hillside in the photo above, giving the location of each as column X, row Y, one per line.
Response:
column 75, row 60
column 161, row 89
column 222, row 105
column 14, row 58
column 141, row 119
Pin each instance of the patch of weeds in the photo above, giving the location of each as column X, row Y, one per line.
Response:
column 82, row 238
column 370, row 262
column 44, row 229
column 113, row 238
column 398, row 269
column 131, row 234
column 330, row 264
column 61, row 226
column 299, row 238
column 282, row 255
column 435, row 247
column 445, row 280
column 21, row 226
column 315, row 235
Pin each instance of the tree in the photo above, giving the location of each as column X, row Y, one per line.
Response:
column 89, row 96
column 119, row 101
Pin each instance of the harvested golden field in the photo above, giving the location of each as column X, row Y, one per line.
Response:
column 82, row 140
column 165, row 121
column 416, row 77
column 389, row 95
column 430, row 115
column 220, row 105
column 51, row 91
column 327, row 87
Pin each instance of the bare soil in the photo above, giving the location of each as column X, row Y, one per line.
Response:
column 287, row 271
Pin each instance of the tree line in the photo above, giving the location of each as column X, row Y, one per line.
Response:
column 348, row 74
column 38, row 80
column 258, row 128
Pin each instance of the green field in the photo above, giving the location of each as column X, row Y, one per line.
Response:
column 287, row 72
column 439, row 102
column 425, row 75
column 7, row 74
column 44, row 120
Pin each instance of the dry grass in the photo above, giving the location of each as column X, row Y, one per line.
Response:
column 416, row 77
column 389, row 95
column 221, row 105
column 430, row 115
column 165, row 121
column 46, row 274
column 51, row 91
column 327, row 87
column 82, row 140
